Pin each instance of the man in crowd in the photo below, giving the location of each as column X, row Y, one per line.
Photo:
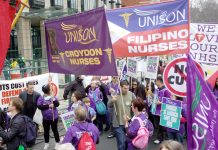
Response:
column 122, row 105
column 76, row 85
column 29, row 98
column 17, row 128
column 162, row 92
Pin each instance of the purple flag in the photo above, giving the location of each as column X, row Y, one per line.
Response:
column 80, row 44
column 202, row 112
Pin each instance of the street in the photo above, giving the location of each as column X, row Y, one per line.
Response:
column 105, row 143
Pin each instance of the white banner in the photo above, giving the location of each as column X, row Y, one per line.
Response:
column 12, row 88
column 152, row 67
column 131, row 67
column 204, row 43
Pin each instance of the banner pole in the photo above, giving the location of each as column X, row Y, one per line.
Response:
column 52, row 94
column 24, row 4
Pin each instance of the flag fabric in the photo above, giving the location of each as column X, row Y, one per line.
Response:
column 80, row 44
column 202, row 111
column 155, row 29
column 7, row 13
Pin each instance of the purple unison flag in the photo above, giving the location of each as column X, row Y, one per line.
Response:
column 202, row 112
column 80, row 44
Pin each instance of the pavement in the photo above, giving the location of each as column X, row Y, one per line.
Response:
column 105, row 143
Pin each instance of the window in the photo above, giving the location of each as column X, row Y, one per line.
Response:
column 13, row 50
column 36, row 42
column 56, row 2
column 72, row 3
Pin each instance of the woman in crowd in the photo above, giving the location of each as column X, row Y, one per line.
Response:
column 132, row 126
column 48, row 105
column 215, row 89
column 76, row 100
column 95, row 95
column 75, row 132
column 171, row 145
column 135, row 84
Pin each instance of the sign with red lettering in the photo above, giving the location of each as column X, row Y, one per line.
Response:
column 150, row 30
column 204, row 43
column 13, row 88
column 175, row 76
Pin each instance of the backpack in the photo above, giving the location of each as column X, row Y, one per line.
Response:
column 141, row 140
column 31, row 131
column 86, row 142
column 99, row 104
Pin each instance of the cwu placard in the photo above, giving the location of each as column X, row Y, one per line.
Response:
column 156, row 29
column 80, row 44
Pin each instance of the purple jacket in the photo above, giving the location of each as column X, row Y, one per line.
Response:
column 43, row 104
column 182, row 125
column 113, row 86
column 94, row 95
column 73, row 106
column 162, row 92
column 74, row 133
column 132, row 130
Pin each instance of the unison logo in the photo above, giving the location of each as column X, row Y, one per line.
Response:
column 158, row 17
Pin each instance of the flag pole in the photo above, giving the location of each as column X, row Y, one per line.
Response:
column 24, row 4
column 52, row 94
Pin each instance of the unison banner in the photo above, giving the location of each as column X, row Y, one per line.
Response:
column 80, row 44
column 204, row 43
column 12, row 88
column 154, row 29
column 202, row 112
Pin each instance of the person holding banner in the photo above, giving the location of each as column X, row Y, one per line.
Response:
column 174, row 134
column 121, row 104
column 113, row 89
column 162, row 92
column 29, row 98
column 48, row 105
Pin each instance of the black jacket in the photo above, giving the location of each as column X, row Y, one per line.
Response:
column 23, row 96
column 76, row 85
column 16, row 133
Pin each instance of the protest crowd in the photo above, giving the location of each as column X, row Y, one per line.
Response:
column 138, row 75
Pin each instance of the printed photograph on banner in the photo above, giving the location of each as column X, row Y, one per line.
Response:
column 152, row 67
column 131, row 67
column 145, row 30
column 204, row 43
column 12, row 88
column 170, row 113
column 80, row 44
column 68, row 119
column 202, row 111
column 175, row 76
